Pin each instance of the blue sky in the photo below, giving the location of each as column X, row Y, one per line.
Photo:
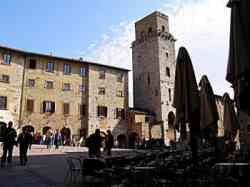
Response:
column 103, row 30
column 64, row 27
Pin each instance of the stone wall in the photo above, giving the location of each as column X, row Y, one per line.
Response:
column 109, row 99
column 153, row 52
column 13, row 89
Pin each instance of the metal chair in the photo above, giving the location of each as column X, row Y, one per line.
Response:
column 74, row 169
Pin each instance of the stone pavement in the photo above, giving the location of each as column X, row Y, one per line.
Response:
column 45, row 168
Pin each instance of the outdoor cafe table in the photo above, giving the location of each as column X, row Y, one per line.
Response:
column 227, row 168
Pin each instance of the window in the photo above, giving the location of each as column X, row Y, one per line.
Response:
column 120, row 114
column 6, row 59
column 156, row 92
column 120, row 77
column 66, row 87
column 49, row 84
column 50, row 67
column 30, row 105
column 82, row 109
column 4, row 78
column 66, row 108
column 3, row 103
column 102, row 74
column 102, row 111
column 119, row 93
column 31, row 83
column 101, row 91
column 167, row 54
column 67, row 69
column 48, row 106
column 82, row 71
column 168, row 71
column 32, row 64
column 82, row 88
column 149, row 30
column 163, row 28
column 148, row 78
column 169, row 92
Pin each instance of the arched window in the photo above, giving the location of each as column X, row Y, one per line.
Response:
column 148, row 78
column 168, row 71
column 169, row 93
column 167, row 55
column 149, row 30
column 163, row 28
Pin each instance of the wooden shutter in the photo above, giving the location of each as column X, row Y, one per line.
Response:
column 52, row 107
column 30, row 105
column 66, row 108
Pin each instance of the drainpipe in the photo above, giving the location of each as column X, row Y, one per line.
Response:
column 22, row 90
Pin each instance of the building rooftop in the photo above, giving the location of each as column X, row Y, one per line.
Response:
column 60, row 58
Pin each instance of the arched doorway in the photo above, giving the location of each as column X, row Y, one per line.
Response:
column 29, row 128
column 46, row 130
column 122, row 140
column 66, row 135
column 3, row 127
column 133, row 140
column 171, row 126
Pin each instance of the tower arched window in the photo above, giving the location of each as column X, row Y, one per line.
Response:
column 150, row 30
column 163, row 28
column 168, row 71
column 149, row 79
column 169, row 93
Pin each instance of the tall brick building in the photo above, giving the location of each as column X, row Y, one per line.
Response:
column 153, row 53
column 45, row 91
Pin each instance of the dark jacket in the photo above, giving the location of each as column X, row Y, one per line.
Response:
column 10, row 136
column 25, row 140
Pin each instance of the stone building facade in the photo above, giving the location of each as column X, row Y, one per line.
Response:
column 153, row 53
column 44, row 91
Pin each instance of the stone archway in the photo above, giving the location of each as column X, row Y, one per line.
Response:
column 30, row 128
column 46, row 129
column 133, row 139
column 171, row 135
column 122, row 140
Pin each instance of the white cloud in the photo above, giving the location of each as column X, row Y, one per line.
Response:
column 202, row 26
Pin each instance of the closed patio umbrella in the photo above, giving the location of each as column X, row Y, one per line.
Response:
column 208, row 109
column 186, row 98
column 238, row 68
column 230, row 122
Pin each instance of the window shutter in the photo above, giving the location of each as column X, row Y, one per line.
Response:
column 30, row 105
column 44, row 106
column 98, row 111
column 106, row 111
column 52, row 107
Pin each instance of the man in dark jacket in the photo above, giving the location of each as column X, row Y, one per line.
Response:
column 109, row 142
column 24, row 140
column 94, row 143
column 8, row 143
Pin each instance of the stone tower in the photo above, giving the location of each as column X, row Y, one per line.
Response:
column 153, row 53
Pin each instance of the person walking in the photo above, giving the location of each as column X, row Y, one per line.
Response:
column 94, row 143
column 57, row 138
column 24, row 140
column 8, row 143
column 109, row 142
